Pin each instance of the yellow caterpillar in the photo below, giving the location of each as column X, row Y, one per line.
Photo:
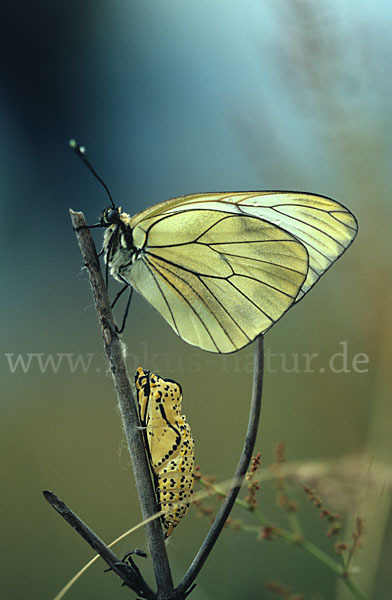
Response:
column 169, row 444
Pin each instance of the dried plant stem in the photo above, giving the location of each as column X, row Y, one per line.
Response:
column 114, row 352
column 130, row 577
column 246, row 455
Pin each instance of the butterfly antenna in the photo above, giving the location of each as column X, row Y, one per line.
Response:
column 80, row 151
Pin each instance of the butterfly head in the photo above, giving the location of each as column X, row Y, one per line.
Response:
column 113, row 215
column 110, row 216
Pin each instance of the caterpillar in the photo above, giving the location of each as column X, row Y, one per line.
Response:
column 169, row 444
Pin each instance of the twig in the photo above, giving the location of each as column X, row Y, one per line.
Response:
column 127, row 407
column 131, row 577
column 246, row 455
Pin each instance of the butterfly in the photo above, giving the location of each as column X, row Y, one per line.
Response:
column 222, row 268
column 169, row 444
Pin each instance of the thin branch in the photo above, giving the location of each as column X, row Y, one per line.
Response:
column 130, row 576
column 246, row 455
column 129, row 414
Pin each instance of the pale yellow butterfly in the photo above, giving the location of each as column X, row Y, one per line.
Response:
column 222, row 268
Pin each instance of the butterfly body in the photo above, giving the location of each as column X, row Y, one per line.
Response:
column 169, row 444
column 222, row 268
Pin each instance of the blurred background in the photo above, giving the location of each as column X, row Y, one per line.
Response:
column 172, row 98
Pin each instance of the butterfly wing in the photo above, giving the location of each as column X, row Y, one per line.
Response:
column 218, row 277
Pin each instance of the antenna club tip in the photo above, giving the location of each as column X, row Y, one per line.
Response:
column 75, row 146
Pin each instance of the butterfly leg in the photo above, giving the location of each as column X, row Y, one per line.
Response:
column 120, row 293
column 121, row 329
column 87, row 226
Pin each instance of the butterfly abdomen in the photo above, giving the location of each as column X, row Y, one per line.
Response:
column 169, row 444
